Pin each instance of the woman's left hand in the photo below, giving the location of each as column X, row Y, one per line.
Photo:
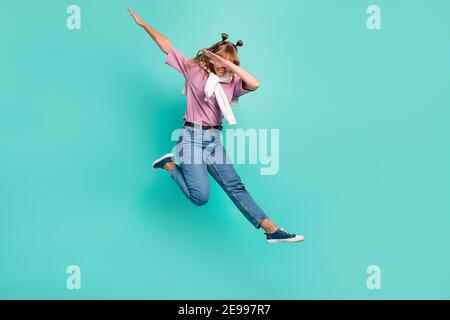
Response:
column 215, row 59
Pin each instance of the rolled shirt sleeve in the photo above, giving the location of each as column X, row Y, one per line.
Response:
column 177, row 60
column 239, row 89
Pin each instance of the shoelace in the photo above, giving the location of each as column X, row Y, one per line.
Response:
column 288, row 233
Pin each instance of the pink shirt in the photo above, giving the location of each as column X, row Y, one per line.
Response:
column 197, row 109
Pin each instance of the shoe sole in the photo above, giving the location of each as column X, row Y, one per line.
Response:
column 167, row 155
column 289, row 240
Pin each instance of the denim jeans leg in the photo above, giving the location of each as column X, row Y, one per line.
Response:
column 225, row 175
column 191, row 175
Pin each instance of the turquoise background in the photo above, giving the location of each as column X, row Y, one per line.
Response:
column 364, row 152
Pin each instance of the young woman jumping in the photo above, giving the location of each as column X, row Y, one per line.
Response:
column 214, row 79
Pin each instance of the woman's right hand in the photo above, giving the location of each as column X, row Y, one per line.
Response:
column 136, row 18
column 160, row 40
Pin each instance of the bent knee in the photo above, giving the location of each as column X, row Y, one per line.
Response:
column 199, row 202
column 200, row 199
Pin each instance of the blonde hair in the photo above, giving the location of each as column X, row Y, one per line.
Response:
column 225, row 49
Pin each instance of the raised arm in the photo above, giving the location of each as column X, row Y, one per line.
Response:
column 250, row 82
column 163, row 43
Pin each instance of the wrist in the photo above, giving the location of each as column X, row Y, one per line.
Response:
column 230, row 65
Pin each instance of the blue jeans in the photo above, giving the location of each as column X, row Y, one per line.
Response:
column 200, row 151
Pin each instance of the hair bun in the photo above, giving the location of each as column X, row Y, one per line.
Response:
column 240, row 43
column 224, row 36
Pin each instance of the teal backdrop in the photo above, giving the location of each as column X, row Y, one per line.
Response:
column 364, row 152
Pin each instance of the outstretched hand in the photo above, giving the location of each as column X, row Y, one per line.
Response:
column 136, row 18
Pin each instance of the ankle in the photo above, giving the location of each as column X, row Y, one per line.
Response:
column 169, row 166
column 270, row 230
column 268, row 226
